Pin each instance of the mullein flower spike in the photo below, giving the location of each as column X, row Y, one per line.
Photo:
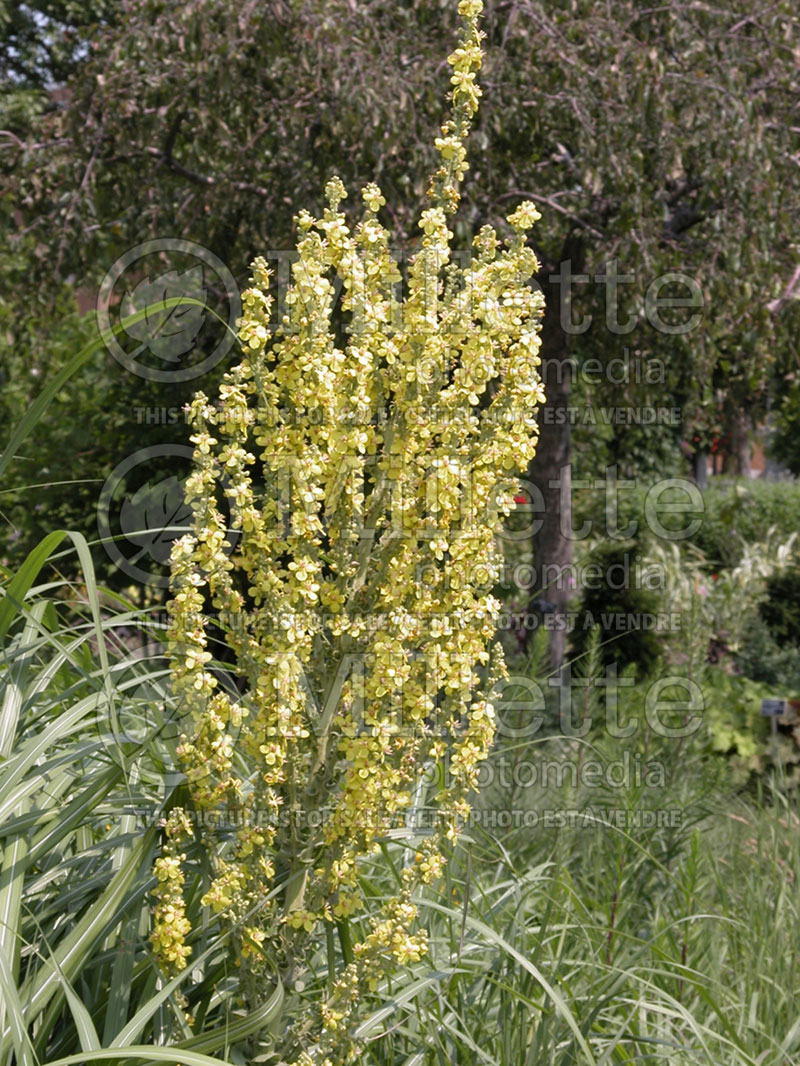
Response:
column 366, row 455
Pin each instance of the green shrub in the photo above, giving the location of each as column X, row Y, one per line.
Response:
column 741, row 512
column 620, row 607
column 733, row 514
column 781, row 610
column 761, row 658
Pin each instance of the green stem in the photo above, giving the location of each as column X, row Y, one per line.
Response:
column 343, row 928
column 331, row 949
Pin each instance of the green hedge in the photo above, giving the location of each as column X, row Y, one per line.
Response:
column 732, row 513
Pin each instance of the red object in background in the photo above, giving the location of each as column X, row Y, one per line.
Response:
column 520, row 499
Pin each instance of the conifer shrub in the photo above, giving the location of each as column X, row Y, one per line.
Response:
column 780, row 610
column 623, row 608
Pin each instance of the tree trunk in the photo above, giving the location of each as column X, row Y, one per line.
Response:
column 700, row 464
column 550, row 470
column 737, row 460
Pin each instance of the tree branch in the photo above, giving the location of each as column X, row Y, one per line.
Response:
column 550, row 202
column 208, row 180
column 791, row 292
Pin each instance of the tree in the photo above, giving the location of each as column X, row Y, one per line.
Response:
column 663, row 139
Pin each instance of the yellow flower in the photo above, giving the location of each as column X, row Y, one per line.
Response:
column 524, row 216
column 373, row 197
column 335, row 192
column 301, row 919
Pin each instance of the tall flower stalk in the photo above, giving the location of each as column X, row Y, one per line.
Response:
column 366, row 452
